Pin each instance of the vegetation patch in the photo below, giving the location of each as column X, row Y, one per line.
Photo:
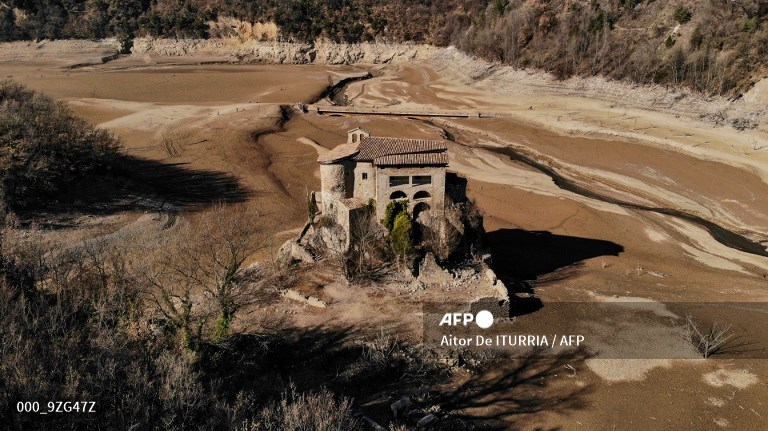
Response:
column 616, row 38
column 45, row 149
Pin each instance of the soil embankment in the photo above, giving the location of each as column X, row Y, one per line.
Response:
column 251, row 51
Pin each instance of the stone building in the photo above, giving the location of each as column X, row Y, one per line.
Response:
column 383, row 170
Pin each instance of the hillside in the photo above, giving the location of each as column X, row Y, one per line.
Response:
column 712, row 46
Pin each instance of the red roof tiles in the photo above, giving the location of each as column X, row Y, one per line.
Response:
column 374, row 147
column 341, row 152
column 418, row 159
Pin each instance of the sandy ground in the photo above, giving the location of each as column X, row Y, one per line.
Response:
column 227, row 118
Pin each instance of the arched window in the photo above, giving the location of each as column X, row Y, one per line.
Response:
column 398, row 195
column 422, row 195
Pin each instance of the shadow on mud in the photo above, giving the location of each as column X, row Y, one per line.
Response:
column 523, row 259
column 496, row 399
column 134, row 183
column 183, row 186
column 527, row 255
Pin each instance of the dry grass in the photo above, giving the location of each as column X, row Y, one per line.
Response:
column 310, row 411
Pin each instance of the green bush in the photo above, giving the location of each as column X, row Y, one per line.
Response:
column 402, row 234
column 394, row 209
column 697, row 38
column 45, row 148
column 752, row 25
column 683, row 14
column 629, row 4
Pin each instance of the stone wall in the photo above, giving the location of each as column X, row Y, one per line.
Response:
column 436, row 189
column 332, row 186
column 365, row 189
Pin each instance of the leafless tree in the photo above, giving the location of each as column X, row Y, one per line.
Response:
column 367, row 253
column 707, row 341
column 206, row 264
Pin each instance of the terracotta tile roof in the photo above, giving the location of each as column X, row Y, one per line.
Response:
column 374, row 147
column 339, row 153
column 418, row 159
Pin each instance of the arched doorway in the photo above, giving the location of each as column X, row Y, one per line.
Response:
column 419, row 208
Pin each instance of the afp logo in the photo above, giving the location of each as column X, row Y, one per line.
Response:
column 483, row 319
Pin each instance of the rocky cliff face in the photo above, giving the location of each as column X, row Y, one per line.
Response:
column 237, row 49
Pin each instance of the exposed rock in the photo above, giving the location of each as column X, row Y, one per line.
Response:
column 426, row 421
column 249, row 50
column 491, row 276
column 401, row 407
column 225, row 26
column 431, row 272
column 416, row 286
column 309, row 300
column 292, row 251
column 371, row 423
column 465, row 275
column 501, row 290
column 498, row 285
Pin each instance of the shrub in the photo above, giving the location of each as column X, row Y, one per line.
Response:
column 752, row 25
column 394, row 209
column 402, row 234
column 683, row 14
column 325, row 221
column 369, row 252
column 697, row 38
column 707, row 340
column 305, row 412
column 629, row 4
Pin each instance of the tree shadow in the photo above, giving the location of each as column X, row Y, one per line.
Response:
column 739, row 347
column 181, row 185
column 347, row 360
column 496, row 399
column 135, row 183
column 375, row 371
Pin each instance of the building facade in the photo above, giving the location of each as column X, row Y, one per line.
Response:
column 382, row 169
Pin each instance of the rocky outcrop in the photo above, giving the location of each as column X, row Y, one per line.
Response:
column 292, row 252
column 67, row 53
column 306, row 299
column 253, row 51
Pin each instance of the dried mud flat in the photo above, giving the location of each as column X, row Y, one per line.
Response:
column 548, row 241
